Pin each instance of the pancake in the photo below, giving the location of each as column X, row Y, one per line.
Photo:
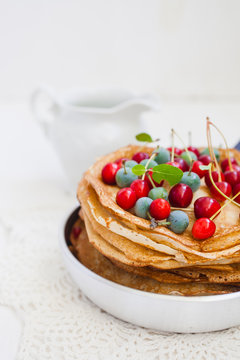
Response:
column 95, row 261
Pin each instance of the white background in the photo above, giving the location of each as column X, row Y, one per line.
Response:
column 188, row 49
column 185, row 51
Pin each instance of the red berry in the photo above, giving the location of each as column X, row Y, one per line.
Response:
column 138, row 157
column 232, row 177
column 214, row 177
column 225, row 163
column 205, row 207
column 183, row 164
column 120, row 161
column 108, row 173
column 76, row 231
column 196, row 169
column 177, row 151
column 205, row 159
column 180, row 195
column 160, row 209
column 194, row 150
column 224, row 187
column 234, row 167
column 174, row 163
column 140, row 187
column 203, row 228
column 236, row 189
column 126, row 198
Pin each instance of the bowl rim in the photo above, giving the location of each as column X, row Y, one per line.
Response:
column 79, row 266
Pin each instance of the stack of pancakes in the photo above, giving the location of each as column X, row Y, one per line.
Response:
column 123, row 248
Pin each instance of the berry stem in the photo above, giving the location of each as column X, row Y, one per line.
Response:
column 190, row 169
column 149, row 177
column 185, row 148
column 210, row 148
column 225, row 141
column 124, row 166
column 146, row 166
column 222, row 207
column 163, row 223
column 220, row 192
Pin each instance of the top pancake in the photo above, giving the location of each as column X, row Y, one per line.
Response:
column 226, row 240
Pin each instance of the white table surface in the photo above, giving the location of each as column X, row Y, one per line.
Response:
column 27, row 157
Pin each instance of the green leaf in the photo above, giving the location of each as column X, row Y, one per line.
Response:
column 204, row 167
column 144, row 137
column 166, row 172
column 138, row 170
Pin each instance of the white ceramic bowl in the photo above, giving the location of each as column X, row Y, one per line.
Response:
column 155, row 311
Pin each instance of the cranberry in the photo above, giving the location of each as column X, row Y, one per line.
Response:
column 174, row 163
column 177, row 151
column 126, row 198
column 160, row 209
column 205, row 159
column 205, row 207
column 194, row 150
column 234, row 167
column 225, row 163
column 214, row 177
column 76, row 231
column 180, row 195
column 108, row 173
column 183, row 164
column 203, row 228
column 236, row 189
column 196, row 169
column 140, row 187
column 138, row 157
column 120, row 161
column 232, row 177
column 224, row 187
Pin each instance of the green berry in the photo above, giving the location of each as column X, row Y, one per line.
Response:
column 130, row 163
column 124, row 178
column 179, row 221
column 185, row 156
column 192, row 180
column 163, row 156
column 158, row 193
column 151, row 164
column 141, row 207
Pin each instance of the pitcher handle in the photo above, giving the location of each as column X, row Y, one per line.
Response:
column 44, row 113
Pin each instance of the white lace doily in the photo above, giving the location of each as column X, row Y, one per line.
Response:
column 59, row 322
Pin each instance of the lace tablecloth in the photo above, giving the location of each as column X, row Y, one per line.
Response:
column 58, row 321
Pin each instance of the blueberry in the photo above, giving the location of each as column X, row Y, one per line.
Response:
column 130, row 163
column 216, row 152
column 192, row 180
column 179, row 221
column 185, row 156
column 141, row 207
column 151, row 164
column 124, row 178
column 163, row 156
column 158, row 193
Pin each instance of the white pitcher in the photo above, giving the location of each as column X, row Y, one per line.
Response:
column 85, row 124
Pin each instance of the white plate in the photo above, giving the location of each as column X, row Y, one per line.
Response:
column 155, row 311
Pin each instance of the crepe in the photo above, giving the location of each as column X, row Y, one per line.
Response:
column 95, row 261
column 159, row 254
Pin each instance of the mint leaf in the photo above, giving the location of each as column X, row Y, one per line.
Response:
column 204, row 167
column 138, row 170
column 144, row 137
column 166, row 172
